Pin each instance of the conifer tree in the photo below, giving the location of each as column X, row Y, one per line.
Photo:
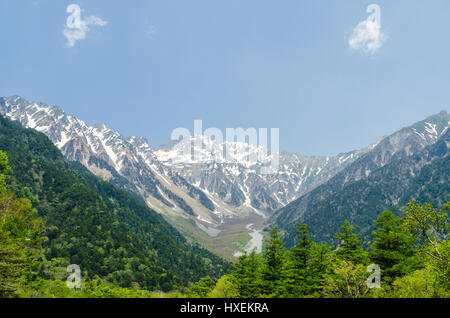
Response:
column 320, row 267
column 303, row 247
column 246, row 277
column 297, row 277
column 274, row 264
column 349, row 247
column 393, row 248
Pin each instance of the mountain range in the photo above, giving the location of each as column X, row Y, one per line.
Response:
column 410, row 164
column 214, row 195
column 211, row 198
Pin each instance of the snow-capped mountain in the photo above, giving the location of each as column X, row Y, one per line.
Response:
column 231, row 171
column 202, row 184
column 128, row 162
column 208, row 185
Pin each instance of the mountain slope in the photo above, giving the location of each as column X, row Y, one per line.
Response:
column 167, row 179
column 411, row 163
column 210, row 201
column 107, row 231
column 127, row 162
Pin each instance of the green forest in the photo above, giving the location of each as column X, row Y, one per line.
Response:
column 410, row 251
column 54, row 213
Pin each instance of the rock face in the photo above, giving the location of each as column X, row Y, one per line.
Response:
column 237, row 179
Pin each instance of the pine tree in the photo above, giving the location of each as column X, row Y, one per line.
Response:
column 349, row 247
column 297, row 277
column 303, row 247
column 320, row 267
column 393, row 248
column 274, row 264
column 246, row 277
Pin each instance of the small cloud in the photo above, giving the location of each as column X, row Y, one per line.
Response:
column 367, row 35
column 76, row 28
column 151, row 30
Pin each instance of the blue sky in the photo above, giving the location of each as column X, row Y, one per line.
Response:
column 157, row 65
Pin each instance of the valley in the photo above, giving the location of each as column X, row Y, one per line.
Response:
column 212, row 199
column 273, row 150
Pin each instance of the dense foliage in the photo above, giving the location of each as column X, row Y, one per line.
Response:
column 111, row 234
column 412, row 255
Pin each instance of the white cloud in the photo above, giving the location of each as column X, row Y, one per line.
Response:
column 151, row 30
column 76, row 28
column 368, row 36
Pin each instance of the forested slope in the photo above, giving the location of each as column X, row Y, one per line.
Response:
column 423, row 176
column 109, row 232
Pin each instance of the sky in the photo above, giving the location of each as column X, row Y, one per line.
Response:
column 330, row 75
